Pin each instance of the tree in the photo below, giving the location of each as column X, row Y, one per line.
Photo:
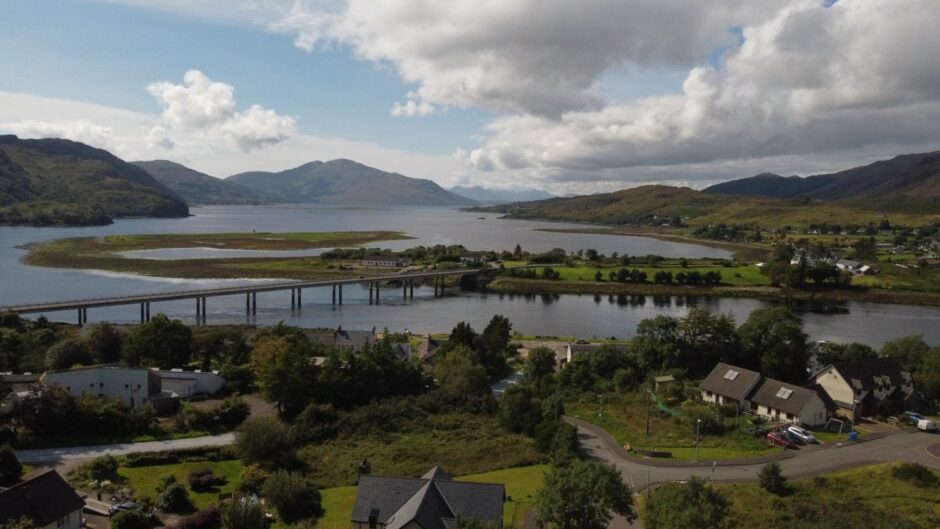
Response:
column 927, row 377
column 658, row 343
column 317, row 423
column 294, row 497
column 105, row 343
column 243, row 513
column 909, row 351
column 773, row 342
column 598, row 276
column 69, row 353
column 540, row 368
column 582, row 497
column 772, row 479
column 161, row 341
column 227, row 347
column 693, row 505
column 11, row 470
column 462, row 334
column 473, row 523
column 174, row 498
column 265, row 441
column 865, row 249
column 493, row 345
column 459, row 375
column 832, row 353
column 130, row 520
column 283, row 370
column 519, row 411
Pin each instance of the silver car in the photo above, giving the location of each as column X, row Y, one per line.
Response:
column 803, row 434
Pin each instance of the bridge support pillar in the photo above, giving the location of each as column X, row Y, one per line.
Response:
column 80, row 317
column 203, row 309
column 141, row 313
column 198, row 311
column 340, row 293
column 247, row 302
column 254, row 302
column 371, row 287
column 334, row 293
column 376, row 293
column 299, row 298
column 411, row 288
column 404, row 289
column 147, row 305
column 293, row 295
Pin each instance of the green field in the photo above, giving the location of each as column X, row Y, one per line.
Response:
column 624, row 418
column 484, row 446
column 521, row 484
column 739, row 275
column 104, row 253
column 864, row 493
column 143, row 480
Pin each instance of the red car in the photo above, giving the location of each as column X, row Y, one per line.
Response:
column 776, row 439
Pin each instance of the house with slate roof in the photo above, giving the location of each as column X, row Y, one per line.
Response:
column 868, row 386
column 771, row 399
column 46, row 499
column 433, row 501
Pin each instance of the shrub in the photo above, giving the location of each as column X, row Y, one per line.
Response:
column 10, row 468
column 164, row 482
column 101, row 468
column 915, row 474
column 130, row 520
column 265, row 441
column 203, row 480
column 244, row 513
column 772, row 479
column 208, row 518
column 174, row 498
column 232, row 411
column 252, row 479
column 293, row 496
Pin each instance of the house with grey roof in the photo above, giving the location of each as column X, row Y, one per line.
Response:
column 771, row 399
column 433, row 501
column 865, row 387
column 728, row 384
column 45, row 499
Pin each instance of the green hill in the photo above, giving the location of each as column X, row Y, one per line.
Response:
column 61, row 182
column 200, row 188
column 656, row 205
column 347, row 182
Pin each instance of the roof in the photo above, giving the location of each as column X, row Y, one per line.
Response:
column 433, row 500
column 730, row 381
column 849, row 263
column 354, row 339
column 782, row 396
column 870, row 374
column 43, row 498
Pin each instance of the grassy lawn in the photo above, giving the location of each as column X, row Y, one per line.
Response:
column 869, row 492
column 521, row 485
column 143, row 480
column 737, row 275
column 483, row 446
column 624, row 418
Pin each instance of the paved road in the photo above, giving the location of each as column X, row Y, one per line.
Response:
column 59, row 455
column 907, row 446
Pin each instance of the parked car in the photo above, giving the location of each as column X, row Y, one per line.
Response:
column 927, row 425
column 131, row 506
column 759, row 431
column 790, row 436
column 776, row 438
column 914, row 417
column 804, row 434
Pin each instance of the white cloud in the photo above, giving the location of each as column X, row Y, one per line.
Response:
column 208, row 108
column 142, row 136
column 861, row 76
column 413, row 106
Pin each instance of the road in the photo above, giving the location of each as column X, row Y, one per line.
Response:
column 55, row 456
column 906, row 446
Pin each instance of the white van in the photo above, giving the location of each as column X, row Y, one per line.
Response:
column 927, row 425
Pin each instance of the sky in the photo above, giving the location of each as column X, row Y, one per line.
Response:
column 569, row 97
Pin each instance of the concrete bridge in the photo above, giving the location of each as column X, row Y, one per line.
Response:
column 407, row 281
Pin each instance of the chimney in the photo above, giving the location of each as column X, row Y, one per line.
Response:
column 365, row 467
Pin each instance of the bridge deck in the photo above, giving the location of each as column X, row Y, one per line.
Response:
column 215, row 292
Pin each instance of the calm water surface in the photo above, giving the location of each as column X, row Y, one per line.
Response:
column 568, row 315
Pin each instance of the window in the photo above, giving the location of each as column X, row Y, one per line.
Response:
column 62, row 522
column 784, row 393
column 732, row 374
column 789, row 416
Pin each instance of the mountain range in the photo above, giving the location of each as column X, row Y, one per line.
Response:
column 910, row 180
column 485, row 195
column 347, row 182
column 62, row 182
column 200, row 188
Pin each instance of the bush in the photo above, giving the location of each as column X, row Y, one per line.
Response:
column 174, row 498
column 772, row 479
column 203, row 480
column 180, row 456
column 208, row 518
column 101, row 468
column 293, row 496
column 130, row 520
column 11, row 470
column 265, row 441
column 165, row 482
column 244, row 513
column 915, row 474
column 252, row 479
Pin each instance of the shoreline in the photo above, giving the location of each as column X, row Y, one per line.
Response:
column 520, row 286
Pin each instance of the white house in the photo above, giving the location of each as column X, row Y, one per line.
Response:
column 45, row 499
column 385, row 261
column 136, row 386
column 185, row 384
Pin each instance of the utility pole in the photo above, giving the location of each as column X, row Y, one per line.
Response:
column 698, row 423
column 714, row 466
column 649, row 397
column 649, row 472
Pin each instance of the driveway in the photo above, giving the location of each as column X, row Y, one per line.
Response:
column 56, row 456
column 905, row 446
